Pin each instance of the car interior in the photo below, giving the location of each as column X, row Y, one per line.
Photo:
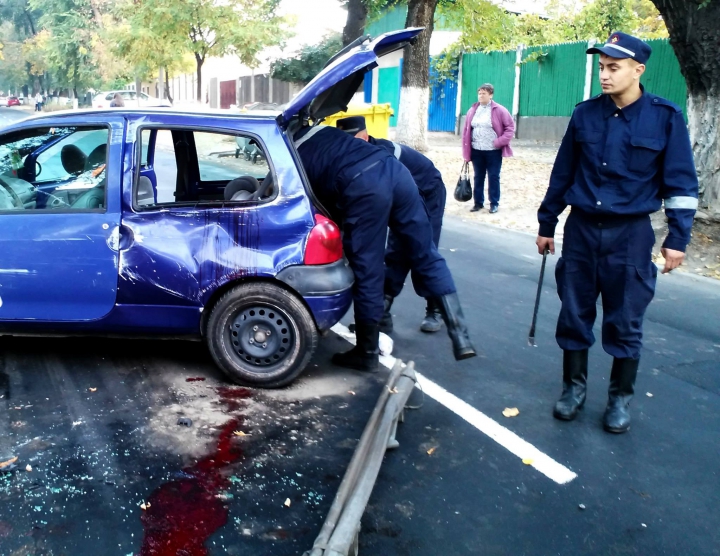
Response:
column 190, row 167
column 54, row 169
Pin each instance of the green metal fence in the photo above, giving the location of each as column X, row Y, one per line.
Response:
column 497, row 68
column 554, row 84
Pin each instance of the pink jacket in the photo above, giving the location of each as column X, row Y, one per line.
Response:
column 502, row 124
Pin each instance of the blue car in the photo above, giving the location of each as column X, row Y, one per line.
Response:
column 144, row 222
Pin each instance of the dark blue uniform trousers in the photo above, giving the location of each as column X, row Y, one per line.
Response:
column 611, row 258
column 368, row 211
column 397, row 260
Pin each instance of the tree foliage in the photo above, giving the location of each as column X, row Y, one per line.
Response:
column 302, row 67
column 202, row 27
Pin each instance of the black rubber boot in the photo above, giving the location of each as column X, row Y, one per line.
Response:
column 622, row 388
column 575, row 369
column 433, row 318
column 386, row 322
column 365, row 355
column 452, row 314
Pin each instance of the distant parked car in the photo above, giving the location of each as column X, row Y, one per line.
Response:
column 132, row 100
column 13, row 101
column 261, row 106
column 3, row 101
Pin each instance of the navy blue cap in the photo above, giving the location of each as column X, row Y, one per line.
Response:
column 352, row 124
column 622, row 45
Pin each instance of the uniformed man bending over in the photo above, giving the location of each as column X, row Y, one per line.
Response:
column 433, row 192
column 625, row 152
column 366, row 190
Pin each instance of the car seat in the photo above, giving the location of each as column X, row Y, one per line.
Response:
column 144, row 194
column 91, row 199
column 96, row 157
column 73, row 159
column 241, row 189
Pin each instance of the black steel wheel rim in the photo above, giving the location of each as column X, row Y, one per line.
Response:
column 261, row 336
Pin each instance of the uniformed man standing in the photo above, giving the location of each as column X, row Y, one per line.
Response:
column 433, row 192
column 366, row 191
column 625, row 152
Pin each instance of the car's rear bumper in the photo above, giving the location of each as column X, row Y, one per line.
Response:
column 327, row 289
column 328, row 310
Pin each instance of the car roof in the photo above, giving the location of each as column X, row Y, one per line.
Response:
column 267, row 115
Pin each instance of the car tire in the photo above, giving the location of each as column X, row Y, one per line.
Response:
column 261, row 335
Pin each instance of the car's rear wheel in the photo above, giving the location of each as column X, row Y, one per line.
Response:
column 261, row 335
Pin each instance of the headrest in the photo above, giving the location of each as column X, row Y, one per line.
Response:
column 73, row 159
column 243, row 183
column 96, row 157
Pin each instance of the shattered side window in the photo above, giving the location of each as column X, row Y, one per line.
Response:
column 59, row 168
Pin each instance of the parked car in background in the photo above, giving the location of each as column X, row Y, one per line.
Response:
column 13, row 101
column 3, row 101
column 132, row 100
column 260, row 106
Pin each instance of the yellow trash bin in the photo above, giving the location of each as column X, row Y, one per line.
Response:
column 377, row 117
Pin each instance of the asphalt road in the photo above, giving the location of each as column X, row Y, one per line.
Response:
column 97, row 421
column 10, row 115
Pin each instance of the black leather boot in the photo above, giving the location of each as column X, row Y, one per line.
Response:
column 386, row 322
column 575, row 369
column 433, row 318
column 452, row 314
column 365, row 355
column 622, row 388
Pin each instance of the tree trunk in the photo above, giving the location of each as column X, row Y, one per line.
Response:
column 694, row 36
column 199, row 61
column 356, row 19
column 167, row 86
column 415, row 91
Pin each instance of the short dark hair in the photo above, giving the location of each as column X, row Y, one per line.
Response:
column 487, row 87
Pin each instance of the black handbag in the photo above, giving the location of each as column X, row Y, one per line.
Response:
column 463, row 189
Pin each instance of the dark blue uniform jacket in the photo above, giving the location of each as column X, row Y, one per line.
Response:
column 625, row 162
column 426, row 175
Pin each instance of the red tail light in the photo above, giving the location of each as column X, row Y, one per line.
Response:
column 324, row 244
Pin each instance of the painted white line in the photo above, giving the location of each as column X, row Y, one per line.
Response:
column 506, row 438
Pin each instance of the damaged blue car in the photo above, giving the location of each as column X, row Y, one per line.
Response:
column 145, row 222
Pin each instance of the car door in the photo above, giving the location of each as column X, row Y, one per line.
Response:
column 59, row 261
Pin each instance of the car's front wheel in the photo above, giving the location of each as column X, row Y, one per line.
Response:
column 261, row 335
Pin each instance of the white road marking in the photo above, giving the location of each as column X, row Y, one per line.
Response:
column 506, row 438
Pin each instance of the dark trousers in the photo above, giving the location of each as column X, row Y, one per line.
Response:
column 611, row 258
column 490, row 163
column 380, row 197
column 397, row 261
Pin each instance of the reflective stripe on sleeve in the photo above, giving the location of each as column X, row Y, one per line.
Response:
column 398, row 150
column 309, row 135
column 681, row 203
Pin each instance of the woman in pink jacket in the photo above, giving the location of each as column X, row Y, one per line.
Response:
column 489, row 127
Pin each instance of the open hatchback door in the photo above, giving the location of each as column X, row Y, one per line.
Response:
column 332, row 89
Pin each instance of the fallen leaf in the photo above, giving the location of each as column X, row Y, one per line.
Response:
column 511, row 412
column 643, row 525
column 93, row 389
column 28, row 468
column 240, row 433
column 145, row 505
column 431, row 451
column 649, row 395
column 528, row 461
column 581, row 506
column 287, row 502
column 351, row 392
column 8, row 463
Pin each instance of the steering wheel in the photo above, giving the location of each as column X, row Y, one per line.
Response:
column 17, row 200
